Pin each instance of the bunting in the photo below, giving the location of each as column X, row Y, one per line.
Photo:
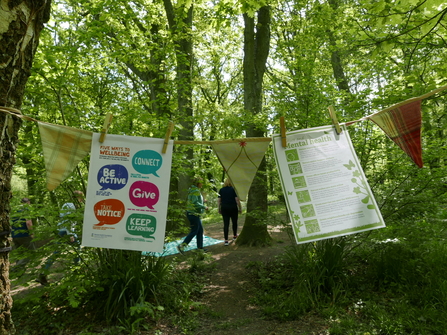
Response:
column 403, row 124
column 241, row 161
column 63, row 148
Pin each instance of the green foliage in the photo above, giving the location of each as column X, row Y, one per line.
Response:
column 138, row 314
column 124, row 279
column 120, row 57
column 389, row 281
column 113, row 286
column 308, row 276
column 117, row 287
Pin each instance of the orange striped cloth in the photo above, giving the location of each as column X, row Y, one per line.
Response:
column 403, row 125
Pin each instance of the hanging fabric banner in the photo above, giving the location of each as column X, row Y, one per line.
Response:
column 326, row 191
column 63, row 148
column 127, row 195
column 403, row 125
column 241, row 161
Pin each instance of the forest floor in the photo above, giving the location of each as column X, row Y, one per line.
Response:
column 228, row 292
column 227, row 295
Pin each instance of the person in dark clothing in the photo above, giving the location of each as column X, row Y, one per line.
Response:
column 229, row 208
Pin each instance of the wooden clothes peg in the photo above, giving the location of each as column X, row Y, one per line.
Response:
column 167, row 136
column 334, row 119
column 105, row 127
column 282, row 124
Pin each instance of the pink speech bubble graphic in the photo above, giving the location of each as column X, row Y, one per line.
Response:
column 144, row 194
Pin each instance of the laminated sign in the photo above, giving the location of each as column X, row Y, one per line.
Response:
column 326, row 191
column 127, row 195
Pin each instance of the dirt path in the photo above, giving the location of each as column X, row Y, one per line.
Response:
column 228, row 292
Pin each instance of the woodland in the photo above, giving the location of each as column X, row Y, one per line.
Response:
column 223, row 70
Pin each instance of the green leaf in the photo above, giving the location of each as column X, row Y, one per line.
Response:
column 378, row 7
column 387, row 46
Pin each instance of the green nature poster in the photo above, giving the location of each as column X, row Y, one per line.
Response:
column 326, row 191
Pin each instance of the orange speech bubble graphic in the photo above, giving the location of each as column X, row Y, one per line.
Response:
column 109, row 211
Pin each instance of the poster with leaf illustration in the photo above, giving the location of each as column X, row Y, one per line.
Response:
column 324, row 186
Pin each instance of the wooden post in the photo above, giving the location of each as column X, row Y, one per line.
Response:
column 105, row 127
column 334, row 119
column 167, row 136
column 282, row 124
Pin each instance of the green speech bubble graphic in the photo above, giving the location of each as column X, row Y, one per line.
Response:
column 141, row 225
column 147, row 162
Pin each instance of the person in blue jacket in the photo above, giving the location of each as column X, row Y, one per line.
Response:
column 194, row 209
column 21, row 228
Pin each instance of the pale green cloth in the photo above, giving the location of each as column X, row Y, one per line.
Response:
column 241, row 161
column 63, row 148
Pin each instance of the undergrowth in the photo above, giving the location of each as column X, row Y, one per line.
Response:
column 116, row 292
column 391, row 281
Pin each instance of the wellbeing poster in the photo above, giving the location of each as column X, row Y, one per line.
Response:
column 326, row 191
column 127, row 193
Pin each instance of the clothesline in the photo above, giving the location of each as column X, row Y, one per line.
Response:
column 64, row 147
column 16, row 112
column 232, row 140
column 400, row 104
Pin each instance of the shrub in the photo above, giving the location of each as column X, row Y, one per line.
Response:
column 307, row 276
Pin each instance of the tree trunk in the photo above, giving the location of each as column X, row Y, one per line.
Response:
column 154, row 73
column 256, row 50
column 336, row 61
column 180, row 24
column 20, row 27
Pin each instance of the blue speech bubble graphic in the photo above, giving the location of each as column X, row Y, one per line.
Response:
column 113, row 176
column 147, row 162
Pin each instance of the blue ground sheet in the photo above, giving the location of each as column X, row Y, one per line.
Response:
column 171, row 247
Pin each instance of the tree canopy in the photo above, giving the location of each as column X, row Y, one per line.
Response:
column 148, row 62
